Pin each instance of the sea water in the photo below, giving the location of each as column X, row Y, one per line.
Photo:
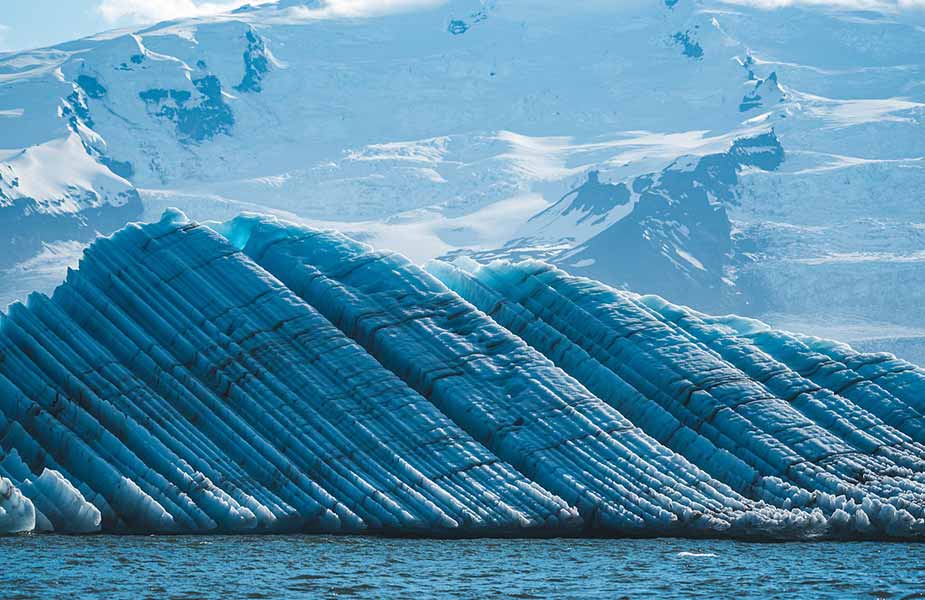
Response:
column 368, row 567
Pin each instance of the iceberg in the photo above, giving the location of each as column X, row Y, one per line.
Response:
column 262, row 376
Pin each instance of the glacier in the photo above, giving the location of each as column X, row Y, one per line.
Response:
column 259, row 375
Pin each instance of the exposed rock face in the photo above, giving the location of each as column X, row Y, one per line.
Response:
column 677, row 240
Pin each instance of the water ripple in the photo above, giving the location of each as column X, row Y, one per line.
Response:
column 328, row 566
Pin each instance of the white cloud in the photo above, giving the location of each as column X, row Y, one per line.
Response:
column 360, row 7
column 910, row 12
column 356, row 8
column 141, row 11
column 888, row 6
column 147, row 11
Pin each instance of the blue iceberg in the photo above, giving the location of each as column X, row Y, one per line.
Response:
column 267, row 377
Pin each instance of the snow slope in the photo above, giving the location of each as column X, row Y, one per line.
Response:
column 267, row 376
column 474, row 128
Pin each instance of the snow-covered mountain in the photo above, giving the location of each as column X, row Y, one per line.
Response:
column 766, row 162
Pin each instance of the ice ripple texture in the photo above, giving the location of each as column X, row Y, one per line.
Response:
column 262, row 376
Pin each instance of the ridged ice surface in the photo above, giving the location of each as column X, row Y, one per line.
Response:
column 793, row 421
column 262, row 376
column 179, row 386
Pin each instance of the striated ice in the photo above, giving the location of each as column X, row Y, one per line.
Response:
column 756, row 408
column 264, row 376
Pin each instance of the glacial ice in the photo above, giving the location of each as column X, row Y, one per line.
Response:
column 181, row 387
column 17, row 514
column 756, row 408
column 264, row 376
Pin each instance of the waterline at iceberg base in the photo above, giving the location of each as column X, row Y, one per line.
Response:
column 260, row 376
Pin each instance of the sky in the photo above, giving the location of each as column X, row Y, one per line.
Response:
column 35, row 23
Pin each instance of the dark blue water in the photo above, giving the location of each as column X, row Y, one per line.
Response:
column 308, row 567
